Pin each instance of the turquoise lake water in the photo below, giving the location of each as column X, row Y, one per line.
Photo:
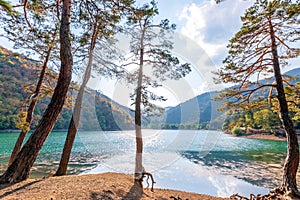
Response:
column 201, row 161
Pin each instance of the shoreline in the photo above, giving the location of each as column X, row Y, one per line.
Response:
column 251, row 133
column 263, row 137
column 109, row 185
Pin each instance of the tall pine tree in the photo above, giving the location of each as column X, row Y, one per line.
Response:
column 29, row 29
column 20, row 167
column 98, row 21
column 151, row 49
column 264, row 44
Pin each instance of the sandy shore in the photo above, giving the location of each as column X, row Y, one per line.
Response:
column 107, row 186
column 264, row 137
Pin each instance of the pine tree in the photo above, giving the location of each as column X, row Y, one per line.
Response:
column 151, row 50
column 264, row 44
column 39, row 38
column 98, row 20
column 20, row 167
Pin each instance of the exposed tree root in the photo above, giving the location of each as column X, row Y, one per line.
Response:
column 141, row 178
column 281, row 193
column 176, row 198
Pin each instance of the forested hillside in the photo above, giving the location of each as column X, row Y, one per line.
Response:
column 18, row 76
column 198, row 112
column 207, row 114
column 15, row 73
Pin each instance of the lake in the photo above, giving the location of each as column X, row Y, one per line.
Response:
column 201, row 161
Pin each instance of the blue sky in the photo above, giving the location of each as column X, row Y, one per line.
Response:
column 209, row 24
column 208, row 27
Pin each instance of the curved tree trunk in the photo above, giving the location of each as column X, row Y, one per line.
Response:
column 30, row 110
column 292, row 159
column 20, row 167
column 62, row 168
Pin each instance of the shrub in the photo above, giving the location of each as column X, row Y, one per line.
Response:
column 237, row 131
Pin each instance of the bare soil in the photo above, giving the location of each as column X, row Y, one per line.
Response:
column 107, row 186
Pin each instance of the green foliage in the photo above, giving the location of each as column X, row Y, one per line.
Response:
column 14, row 75
column 112, row 116
column 22, row 124
column 237, row 131
column 151, row 51
column 293, row 97
column 266, row 119
column 17, row 71
column 250, row 59
column 6, row 6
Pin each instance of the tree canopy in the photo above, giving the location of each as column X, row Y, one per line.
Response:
column 265, row 44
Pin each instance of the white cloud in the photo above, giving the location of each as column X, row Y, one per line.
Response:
column 212, row 25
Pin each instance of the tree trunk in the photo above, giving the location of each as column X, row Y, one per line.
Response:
column 292, row 160
column 62, row 169
column 30, row 110
column 20, row 167
column 139, row 169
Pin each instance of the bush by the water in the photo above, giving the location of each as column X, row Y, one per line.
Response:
column 237, row 131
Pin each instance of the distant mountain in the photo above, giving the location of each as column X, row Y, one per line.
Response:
column 168, row 108
column 202, row 110
column 99, row 112
column 193, row 111
column 293, row 72
column 17, row 72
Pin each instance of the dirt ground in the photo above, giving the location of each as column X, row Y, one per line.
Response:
column 107, row 186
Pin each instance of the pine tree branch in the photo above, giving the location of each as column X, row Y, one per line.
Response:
column 25, row 14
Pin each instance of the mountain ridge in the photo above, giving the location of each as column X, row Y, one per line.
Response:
column 206, row 113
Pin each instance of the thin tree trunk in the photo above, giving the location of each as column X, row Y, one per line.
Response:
column 139, row 169
column 292, row 159
column 30, row 110
column 138, row 127
column 62, row 168
column 20, row 167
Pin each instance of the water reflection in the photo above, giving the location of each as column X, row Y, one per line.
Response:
column 258, row 168
column 177, row 159
column 185, row 175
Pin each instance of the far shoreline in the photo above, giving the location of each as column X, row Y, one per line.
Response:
column 261, row 136
column 251, row 133
column 264, row 137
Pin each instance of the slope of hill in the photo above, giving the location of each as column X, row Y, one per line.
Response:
column 202, row 110
column 187, row 112
column 16, row 71
column 98, row 111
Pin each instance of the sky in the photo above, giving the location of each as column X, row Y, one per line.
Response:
column 203, row 29
column 202, row 34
